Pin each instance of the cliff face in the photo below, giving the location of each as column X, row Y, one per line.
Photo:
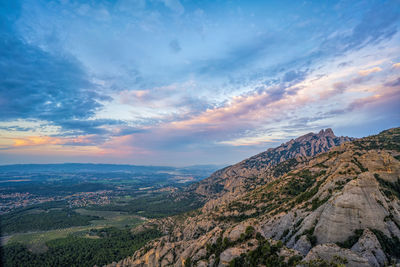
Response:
column 339, row 207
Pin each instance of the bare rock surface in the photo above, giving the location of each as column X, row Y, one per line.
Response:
column 303, row 245
column 333, row 253
column 369, row 247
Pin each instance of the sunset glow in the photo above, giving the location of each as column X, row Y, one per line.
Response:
column 186, row 82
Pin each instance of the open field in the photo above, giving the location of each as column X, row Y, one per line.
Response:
column 36, row 241
column 112, row 218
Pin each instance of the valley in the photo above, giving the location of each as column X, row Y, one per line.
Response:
column 55, row 206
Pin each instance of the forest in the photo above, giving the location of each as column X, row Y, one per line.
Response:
column 22, row 221
column 105, row 246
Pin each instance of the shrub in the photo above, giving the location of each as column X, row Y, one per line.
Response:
column 351, row 240
column 391, row 246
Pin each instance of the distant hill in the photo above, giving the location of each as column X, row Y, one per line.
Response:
column 90, row 167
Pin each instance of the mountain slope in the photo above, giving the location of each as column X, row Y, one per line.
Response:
column 340, row 207
column 240, row 177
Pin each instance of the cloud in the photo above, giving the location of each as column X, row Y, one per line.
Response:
column 377, row 24
column 344, row 64
column 336, row 89
column 394, row 83
column 369, row 71
column 396, row 65
column 174, row 5
column 260, row 56
column 34, row 84
column 36, row 140
column 40, row 141
column 239, row 121
column 165, row 103
column 126, row 130
column 340, row 86
column 175, row 46
column 383, row 98
column 241, row 111
column 131, row 96
column 248, row 86
column 294, row 76
column 130, row 6
column 250, row 141
column 387, row 100
column 243, row 54
column 88, row 126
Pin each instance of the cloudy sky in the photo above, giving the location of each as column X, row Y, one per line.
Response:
column 169, row 82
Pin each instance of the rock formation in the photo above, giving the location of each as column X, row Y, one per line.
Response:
column 240, row 177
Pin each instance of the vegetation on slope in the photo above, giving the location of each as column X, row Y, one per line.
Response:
column 22, row 221
column 105, row 246
column 156, row 206
column 388, row 140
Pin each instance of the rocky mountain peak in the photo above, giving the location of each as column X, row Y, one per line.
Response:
column 327, row 132
column 235, row 178
column 323, row 134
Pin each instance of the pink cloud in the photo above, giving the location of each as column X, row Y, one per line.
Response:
column 242, row 109
column 123, row 146
column 49, row 140
column 129, row 97
column 380, row 98
column 367, row 72
column 36, row 141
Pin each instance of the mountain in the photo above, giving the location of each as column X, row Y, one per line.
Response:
column 245, row 174
column 337, row 208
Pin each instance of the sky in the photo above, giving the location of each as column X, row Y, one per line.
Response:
column 169, row 82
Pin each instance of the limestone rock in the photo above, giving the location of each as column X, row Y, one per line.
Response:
column 303, row 245
column 369, row 247
column 229, row 254
column 356, row 207
column 332, row 252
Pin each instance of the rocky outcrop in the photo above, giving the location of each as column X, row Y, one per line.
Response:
column 369, row 248
column 303, row 245
column 335, row 254
column 356, row 207
column 229, row 254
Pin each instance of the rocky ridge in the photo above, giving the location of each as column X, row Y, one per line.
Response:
column 339, row 207
column 240, row 177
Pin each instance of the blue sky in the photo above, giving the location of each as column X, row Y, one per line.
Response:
column 191, row 82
